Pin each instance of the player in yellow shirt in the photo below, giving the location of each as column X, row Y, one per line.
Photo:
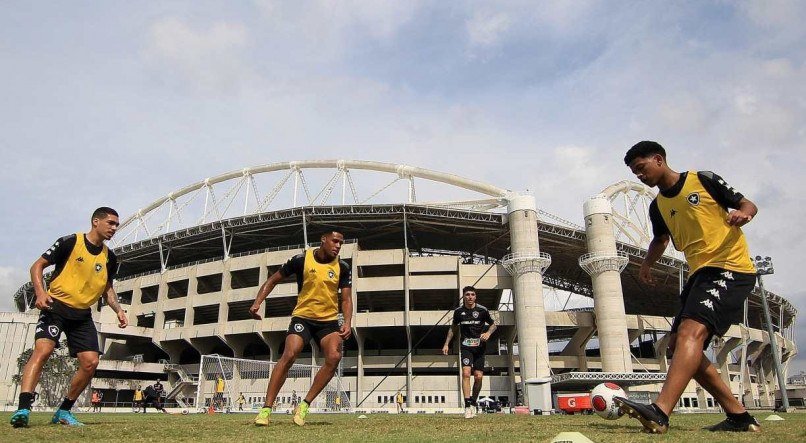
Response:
column 321, row 276
column 218, row 399
column 84, row 271
column 702, row 215
column 138, row 400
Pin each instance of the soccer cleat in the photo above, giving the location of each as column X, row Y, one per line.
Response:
column 468, row 412
column 300, row 412
column 729, row 425
column 66, row 418
column 262, row 418
column 653, row 421
column 20, row 418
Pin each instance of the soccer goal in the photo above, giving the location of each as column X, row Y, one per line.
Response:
column 223, row 380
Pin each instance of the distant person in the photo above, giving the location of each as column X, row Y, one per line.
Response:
column 702, row 215
column 96, row 401
column 294, row 399
column 399, row 402
column 153, row 396
column 241, row 400
column 218, row 397
column 138, row 400
column 84, row 271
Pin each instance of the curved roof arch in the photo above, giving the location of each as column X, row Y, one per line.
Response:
column 243, row 184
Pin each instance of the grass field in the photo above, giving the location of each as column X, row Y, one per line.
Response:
column 225, row 428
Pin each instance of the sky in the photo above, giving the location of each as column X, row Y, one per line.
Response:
column 118, row 103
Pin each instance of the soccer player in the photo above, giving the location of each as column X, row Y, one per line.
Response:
column 399, row 402
column 471, row 319
column 320, row 276
column 241, row 400
column 138, row 400
column 84, row 271
column 702, row 216
column 218, row 399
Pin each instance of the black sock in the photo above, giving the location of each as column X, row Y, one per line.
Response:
column 67, row 404
column 663, row 416
column 468, row 402
column 26, row 399
column 744, row 417
column 307, row 402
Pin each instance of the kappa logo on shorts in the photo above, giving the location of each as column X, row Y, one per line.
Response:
column 693, row 198
column 475, row 314
column 714, row 292
column 466, row 361
column 299, row 327
column 709, row 304
column 53, row 330
column 331, row 274
column 721, row 284
column 727, row 275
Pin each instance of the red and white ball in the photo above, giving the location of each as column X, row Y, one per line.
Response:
column 602, row 400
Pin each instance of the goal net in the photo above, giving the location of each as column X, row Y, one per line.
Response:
column 236, row 384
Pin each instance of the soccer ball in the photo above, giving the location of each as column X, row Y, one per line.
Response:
column 602, row 400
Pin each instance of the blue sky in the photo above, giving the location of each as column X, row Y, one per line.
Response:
column 119, row 103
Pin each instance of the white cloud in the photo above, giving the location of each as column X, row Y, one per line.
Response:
column 209, row 60
column 486, row 29
column 774, row 12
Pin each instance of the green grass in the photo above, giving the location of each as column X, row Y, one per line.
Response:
column 226, row 428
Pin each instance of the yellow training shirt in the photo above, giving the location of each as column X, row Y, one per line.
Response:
column 83, row 279
column 699, row 228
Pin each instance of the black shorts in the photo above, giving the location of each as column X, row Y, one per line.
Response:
column 77, row 325
column 473, row 357
column 715, row 297
column 308, row 329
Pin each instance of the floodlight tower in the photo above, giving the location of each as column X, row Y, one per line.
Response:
column 764, row 267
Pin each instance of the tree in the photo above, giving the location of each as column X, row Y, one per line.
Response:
column 56, row 374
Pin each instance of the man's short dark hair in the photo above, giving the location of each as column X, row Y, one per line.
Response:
column 332, row 231
column 103, row 212
column 644, row 149
column 468, row 288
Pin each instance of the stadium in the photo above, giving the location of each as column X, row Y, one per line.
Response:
column 192, row 261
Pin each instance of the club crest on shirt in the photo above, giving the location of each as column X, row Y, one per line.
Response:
column 331, row 274
column 475, row 314
column 466, row 361
column 693, row 198
column 98, row 267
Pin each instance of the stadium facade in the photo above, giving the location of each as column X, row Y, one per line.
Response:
column 190, row 268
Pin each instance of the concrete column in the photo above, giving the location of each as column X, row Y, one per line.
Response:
column 359, row 376
column 527, row 288
column 513, row 385
column 604, row 266
column 407, row 324
column 226, row 290
column 723, row 348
